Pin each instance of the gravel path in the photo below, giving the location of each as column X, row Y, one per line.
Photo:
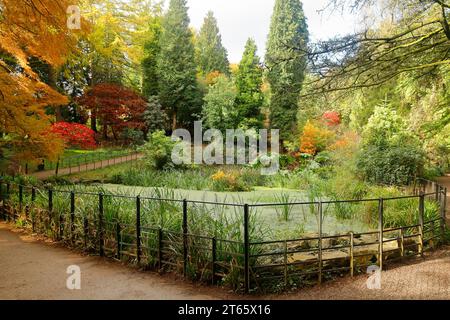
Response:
column 31, row 269
column 416, row 280
column 34, row 269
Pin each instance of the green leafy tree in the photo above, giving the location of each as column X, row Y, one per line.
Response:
column 211, row 54
column 250, row 98
column 177, row 70
column 219, row 111
column 149, row 63
column 390, row 153
column 286, row 67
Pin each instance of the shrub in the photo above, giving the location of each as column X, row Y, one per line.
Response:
column 75, row 135
column 331, row 118
column 154, row 116
column 395, row 164
column 390, row 154
column 158, row 151
column 228, row 181
column 314, row 139
column 132, row 136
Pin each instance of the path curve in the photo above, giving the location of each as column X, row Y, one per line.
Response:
column 32, row 269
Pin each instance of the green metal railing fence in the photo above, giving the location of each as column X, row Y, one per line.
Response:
column 80, row 219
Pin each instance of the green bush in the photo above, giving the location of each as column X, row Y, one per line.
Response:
column 158, row 151
column 392, row 165
column 133, row 136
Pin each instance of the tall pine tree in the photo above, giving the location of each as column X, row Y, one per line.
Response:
column 177, row 72
column 211, row 54
column 288, row 30
column 249, row 98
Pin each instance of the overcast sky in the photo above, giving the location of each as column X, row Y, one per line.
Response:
column 240, row 19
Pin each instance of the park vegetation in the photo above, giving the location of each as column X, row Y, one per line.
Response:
column 361, row 110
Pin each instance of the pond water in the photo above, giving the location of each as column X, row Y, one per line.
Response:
column 302, row 219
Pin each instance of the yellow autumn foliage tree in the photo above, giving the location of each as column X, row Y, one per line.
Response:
column 31, row 28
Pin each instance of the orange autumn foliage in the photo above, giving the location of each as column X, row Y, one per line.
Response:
column 314, row 139
column 31, row 28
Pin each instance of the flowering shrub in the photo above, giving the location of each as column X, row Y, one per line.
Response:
column 331, row 118
column 228, row 181
column 314, row 139
column 75, row 135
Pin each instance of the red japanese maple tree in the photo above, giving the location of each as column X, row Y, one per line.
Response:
column 115, row 106
column 75, row 134
column 331, row 118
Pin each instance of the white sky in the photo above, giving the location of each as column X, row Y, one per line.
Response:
column 240, row 19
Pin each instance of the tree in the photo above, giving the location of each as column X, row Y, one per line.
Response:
column 211, row 54
column 24, row 124
column 219, row 111
column 249, row 97
column 149, row 63
column 176, row 67
column 286, row 67
column 413, row 37
column 154, row 116
column 75, row 135
column 116, row 107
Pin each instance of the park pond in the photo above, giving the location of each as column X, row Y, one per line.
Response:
column 293, row 220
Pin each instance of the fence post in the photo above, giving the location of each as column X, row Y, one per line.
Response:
column 118, row 239
column 421, row 222
column 285, row 261
column 160, row 236
column 436, row 191
column 20, row 197
column 61, row 226
column 246, row 250
column 185, row 232
column 72, row 215
column 138, row 229
column 33, row 198
column 352, row 267
column 214, row 258
column 100, row 224
column 402, row 243
column 320, row 241
column 85, row 231
column 380, row 229
column 50, row 200
column 442, row 221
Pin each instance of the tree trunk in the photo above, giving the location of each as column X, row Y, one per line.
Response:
column 52, row 77
column 94, row 120
column 105, row 131
column 174, row 120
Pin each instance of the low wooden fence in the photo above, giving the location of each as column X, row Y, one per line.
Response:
column 248, row 264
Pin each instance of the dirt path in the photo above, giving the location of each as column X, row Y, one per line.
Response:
column 91, row 166
column 32, row 269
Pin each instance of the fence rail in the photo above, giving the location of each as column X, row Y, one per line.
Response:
column 247, row 263
column 78, row 163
